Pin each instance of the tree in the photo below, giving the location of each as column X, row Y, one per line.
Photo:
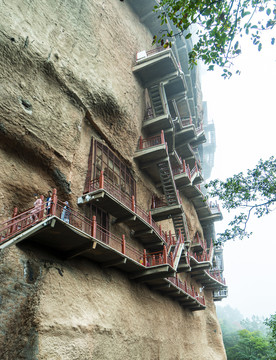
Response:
column 250, row 346
column 271, row 323
column 217, row 26
column 252, row 193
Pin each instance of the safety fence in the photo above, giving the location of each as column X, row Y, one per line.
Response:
column 182, row 169
column 151, row 141
column 187, row 289
column 216, row 274
column 128, row 201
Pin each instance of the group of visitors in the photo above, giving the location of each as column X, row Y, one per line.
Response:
column 38, row 206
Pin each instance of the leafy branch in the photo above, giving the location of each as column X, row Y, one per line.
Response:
column 217, row 26
column 255, row 191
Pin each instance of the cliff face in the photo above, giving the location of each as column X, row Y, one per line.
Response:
column 66, row 73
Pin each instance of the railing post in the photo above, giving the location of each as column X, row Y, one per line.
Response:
column 153, row 260
column 170, row 235
column 94, row 226
column 184, row 166
column 165, row 255
column 140, row 143
column 53, row 208
column 153, row 202
column 101, row 182
column 171, row 255
column 160, row 259
column 179, row 235
column 41, row 212
column 133, row 203
column 189, row 171
column 193, row 291
column 123, row 244
column 166, row 237
column 150, row 218
column 162, row 137
column 145, row 257
column 160, row 230
column 15, row 211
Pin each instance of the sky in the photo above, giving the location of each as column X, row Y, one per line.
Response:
column 243, row 110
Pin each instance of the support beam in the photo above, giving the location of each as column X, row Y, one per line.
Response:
column 79, row 250
column 114, row 263
column 124, row 219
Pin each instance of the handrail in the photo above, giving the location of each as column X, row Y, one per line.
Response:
column 128, row 201
column 151, row 141
column 19, row 223
column 189, row 290
column 215, row 274
column 151, row 52
column 186, row 122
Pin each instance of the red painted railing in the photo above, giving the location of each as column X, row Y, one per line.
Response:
column 202, row 257
column 153, row 51
column 152, row 141
column 198, row 241
column 182, row 169
column 215, row 274
column 157, row 202
column 189, row 290
column 20, row 222
column 128, row 201
column 186, row 122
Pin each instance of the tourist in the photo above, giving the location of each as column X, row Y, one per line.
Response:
column 65, row 212
column 37, row 207
column 48, row 202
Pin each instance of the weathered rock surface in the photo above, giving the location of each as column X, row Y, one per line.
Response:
column 66, row 76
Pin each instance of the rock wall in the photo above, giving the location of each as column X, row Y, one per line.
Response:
column 66, row 76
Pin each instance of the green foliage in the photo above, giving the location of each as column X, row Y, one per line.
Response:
column 255, row 324
column 250, row 346
column 271, row 323
column 217, row 26
column 246, row 339
column 254, row 193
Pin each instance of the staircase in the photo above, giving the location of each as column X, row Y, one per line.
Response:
column 156, row 100
column 170, row 191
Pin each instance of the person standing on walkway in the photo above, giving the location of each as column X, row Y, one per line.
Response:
column 48, row 202
column 65, row 212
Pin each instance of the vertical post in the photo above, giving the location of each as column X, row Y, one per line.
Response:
column 150, row 218
column 132, row 203
column 41, row 212
column 179, row 234
column 153, row 260
column 184, row 166
column 170, row 235
column 123, row 244
column 145, row 258
column 193, row 291
column 189, row 171
column 13, row 227
column 162, row 137
column 166, row 237
column 94, row 226
column 153, row 202
column 53, row 208
column 160, row 229
column 165, row 255
column 101, row 182
column 140, row 143
column 171, row 255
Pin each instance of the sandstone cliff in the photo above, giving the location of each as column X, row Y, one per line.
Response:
column 66, row 75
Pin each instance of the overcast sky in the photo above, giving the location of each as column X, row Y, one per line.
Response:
column 243, row 110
